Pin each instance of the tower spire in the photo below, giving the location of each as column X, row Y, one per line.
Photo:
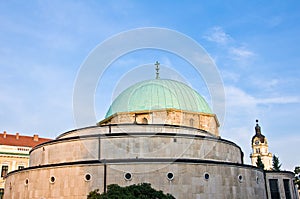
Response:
column 260, row 148
column 257, row 128
column 157, row 69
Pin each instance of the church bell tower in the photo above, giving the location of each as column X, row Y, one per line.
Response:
column 259, row 145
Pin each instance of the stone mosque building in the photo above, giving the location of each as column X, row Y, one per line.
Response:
column 158, row 131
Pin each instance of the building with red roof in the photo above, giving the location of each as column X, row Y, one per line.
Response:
column 14, row 153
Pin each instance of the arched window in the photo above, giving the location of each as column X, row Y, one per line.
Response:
column 192, row 122
column 145, row 121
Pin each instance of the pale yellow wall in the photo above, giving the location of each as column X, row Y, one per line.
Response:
column 261, row 150
column 13, row 157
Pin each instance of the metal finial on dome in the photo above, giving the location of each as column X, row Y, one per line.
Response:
column 157, row 69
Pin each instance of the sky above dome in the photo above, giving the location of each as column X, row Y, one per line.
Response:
column 254, row 44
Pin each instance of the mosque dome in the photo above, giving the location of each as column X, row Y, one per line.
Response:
column 158, row 94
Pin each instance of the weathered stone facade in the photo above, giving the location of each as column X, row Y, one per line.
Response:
column 177, row 150
column 133, row 144
column 188, row 182
column 205, row 121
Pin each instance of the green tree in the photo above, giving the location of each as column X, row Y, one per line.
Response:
column 140, row 191
column 259, row 163
column 297, row 176
column 94, row 194
column 276, row 164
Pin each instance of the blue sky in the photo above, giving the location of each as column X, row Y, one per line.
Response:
column 255, row 45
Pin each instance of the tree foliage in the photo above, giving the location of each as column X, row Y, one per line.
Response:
column 140, row 191
column 259, row 163
column 276, row 164
column 297, row 176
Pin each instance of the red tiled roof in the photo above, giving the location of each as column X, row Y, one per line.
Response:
column 19, row 140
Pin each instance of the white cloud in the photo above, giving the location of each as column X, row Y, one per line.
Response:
column 242, row 109
column 266, row 83
column 231, row 76
column 240, row 53
column 279, row 100
column 238, row 97
column 235, row 50
column 218, row 35
column 241, row 105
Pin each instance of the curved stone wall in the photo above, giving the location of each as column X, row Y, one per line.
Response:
column 135, row 146
column 181, row 179
column 134, row 128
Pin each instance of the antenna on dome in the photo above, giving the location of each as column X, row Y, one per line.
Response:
column 157, row 69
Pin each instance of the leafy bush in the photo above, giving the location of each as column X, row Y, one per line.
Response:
column 140, row 191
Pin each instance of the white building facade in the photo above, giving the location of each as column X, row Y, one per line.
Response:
column 14, row 153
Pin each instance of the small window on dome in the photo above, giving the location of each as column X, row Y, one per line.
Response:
column 192, row 122
column 145, row 121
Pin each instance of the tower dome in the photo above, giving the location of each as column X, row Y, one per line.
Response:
column 158, row 94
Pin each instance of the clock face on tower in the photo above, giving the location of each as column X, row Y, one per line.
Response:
column 256, row 142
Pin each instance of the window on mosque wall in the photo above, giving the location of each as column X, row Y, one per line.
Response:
column 4, row 170
column 206, row 176
column 20, row 167
column 52, row 179
column 145, row 121
column 274, row 189
column 286, row 184
column 26, row 181
column 170, row 176
column 191, row 122
column 87, row 177
column 128, row 176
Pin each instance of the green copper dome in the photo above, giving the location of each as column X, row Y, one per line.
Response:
column 158, row 94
